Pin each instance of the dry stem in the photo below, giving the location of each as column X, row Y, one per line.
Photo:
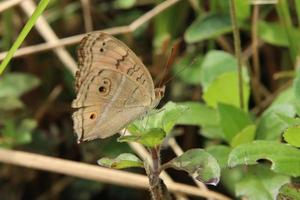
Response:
column 96, row 173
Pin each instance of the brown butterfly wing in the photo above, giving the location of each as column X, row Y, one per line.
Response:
column 114, row 87
column 107, row 101
column 101, row 50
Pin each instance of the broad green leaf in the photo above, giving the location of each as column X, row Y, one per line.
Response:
column 216, row 63
column 133, row 129
column 288, row 191
column 259, row 183
column 151, row 138
column 292, row 136
column 212, row 131
column 10, row 103
column 207, row 27
column 199, row 164
column 198, row 114
column 288, row 97
column 124, row 4
column 152, row 129
column 201, row 115
column 232, row 120
column 225, row 89
column 188, row 69
column 164, row 118
column 272, row 123
column 221, row 153
column 274, row 33
column 285, row 158
column 124, row 160
column 244, row 136
column 15, row 84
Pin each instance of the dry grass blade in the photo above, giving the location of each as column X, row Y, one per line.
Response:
column 96, row 173
column 87, row 16
column 49, row 35
column 8, row 4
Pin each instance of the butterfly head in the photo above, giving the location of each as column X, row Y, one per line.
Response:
column 159, row 94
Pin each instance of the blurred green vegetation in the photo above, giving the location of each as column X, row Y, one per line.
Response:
column 264, row 135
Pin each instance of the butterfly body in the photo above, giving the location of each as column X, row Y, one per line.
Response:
column 113, row 88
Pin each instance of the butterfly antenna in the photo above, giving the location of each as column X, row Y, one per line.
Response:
column 166, row 67
column 180, row 71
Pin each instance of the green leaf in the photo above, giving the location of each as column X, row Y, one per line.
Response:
column 164, row 119
column 216, row 63
column 232, row 120
column 151, row 138
column 198, row 114
column 16, row 133
column 212, row 131
column 199, row 164
column 244, row 136
column 24, row 131
column 259, row 183
column 285, row 158
column 288, row 191
column 224, row 89
column 243, row 9
column 124, row 160
column 189, row 69
column 207, row 27
column 124, row 4
column 152, row 129
column 15, row 84
column 221, row 153
column 292, row 136
column 274, row 33
column 272, row 122
column 10, row 103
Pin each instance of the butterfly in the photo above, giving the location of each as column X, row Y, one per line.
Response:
column 113, row 87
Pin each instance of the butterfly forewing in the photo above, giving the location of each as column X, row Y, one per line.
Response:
column 113, row 87
column 100, row 50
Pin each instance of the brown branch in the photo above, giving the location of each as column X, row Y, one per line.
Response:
column 96, row 173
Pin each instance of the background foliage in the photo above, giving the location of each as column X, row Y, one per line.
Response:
column 256, row 147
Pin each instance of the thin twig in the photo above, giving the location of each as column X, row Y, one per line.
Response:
column 224, row 44
column 96, row 173
column 46, row 104
column 237, row 47
column 256, row 63
column 8, row 4
column 87, row 16
column 143, row 153
column 154, row 181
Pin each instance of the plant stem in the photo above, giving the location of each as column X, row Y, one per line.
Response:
column 39, row 10
column 155, row 185
column 237, row 47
